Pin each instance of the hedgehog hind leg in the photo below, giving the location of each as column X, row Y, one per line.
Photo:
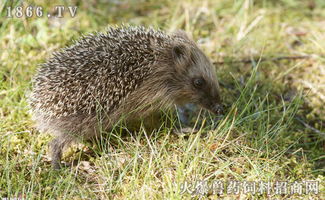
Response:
column 57, row 146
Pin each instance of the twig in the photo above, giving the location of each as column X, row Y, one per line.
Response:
column 310, row 127
column 263, row 59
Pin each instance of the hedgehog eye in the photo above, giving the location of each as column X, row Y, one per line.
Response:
column 198, row 82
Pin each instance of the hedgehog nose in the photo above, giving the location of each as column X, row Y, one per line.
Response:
column 217, row 109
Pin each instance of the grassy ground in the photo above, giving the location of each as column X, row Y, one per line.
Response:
column 274, row 126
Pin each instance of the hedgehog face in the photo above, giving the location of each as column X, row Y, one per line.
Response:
column 195, row 77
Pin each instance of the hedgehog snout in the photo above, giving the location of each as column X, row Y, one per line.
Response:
column 216, row 106
column 217, row 109
column 213, row 103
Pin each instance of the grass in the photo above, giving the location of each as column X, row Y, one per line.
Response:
column 272, row 130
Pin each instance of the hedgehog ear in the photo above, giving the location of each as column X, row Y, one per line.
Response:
column 181, row 34
column 180, row 55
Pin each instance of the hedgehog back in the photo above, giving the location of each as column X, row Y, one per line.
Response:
column 97, row 72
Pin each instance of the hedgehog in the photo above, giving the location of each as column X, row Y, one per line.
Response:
column 123, row 73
